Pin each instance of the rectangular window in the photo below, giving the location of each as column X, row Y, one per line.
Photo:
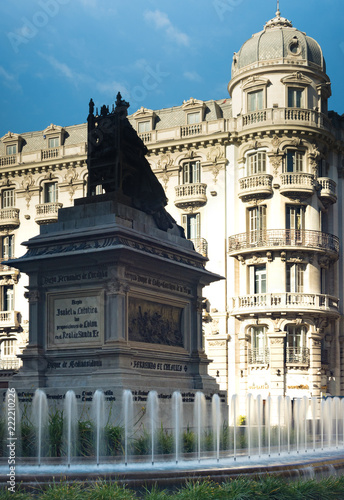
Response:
column 11, row 149
column 295, row 97
column 7, row 251
column 294, row 161
column 193, row 118
column 7, row 298
column 260, row 279
column 192, row 172
column 257, row 223
column 295, row 278
column 53, row 142
column 295, row 217
column 50, row 192
column 192, row 226
column 255, row 101
column 7, row 198
column 257, row 163
column 144, row 127
column 8, row 348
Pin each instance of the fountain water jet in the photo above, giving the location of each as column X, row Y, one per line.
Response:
column 177, row 412
column 70, row 425
column 128, row 420
column 216, row 418
column 199, row 416
column 99, row 420
column 153, row 418
column 40, row 420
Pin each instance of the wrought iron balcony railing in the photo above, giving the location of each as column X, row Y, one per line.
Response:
column 297, row 355
column 257, row 356
column 283, row 238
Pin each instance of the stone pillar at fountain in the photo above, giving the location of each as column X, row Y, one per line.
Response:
column 277, row 367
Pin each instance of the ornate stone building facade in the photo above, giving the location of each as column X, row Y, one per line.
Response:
column 256, row 182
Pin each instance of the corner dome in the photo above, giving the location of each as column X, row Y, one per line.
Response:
column 278, row 42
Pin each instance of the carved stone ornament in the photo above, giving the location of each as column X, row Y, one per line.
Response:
column 254, row 145
column 165, row 161
column 164, row 177
column 189, row 153
column 216, row 343
column 49, row 176
column 215, row 153
column 27, row 182
column 276, row 141
column 117, row 287
column 316, row 343
column 276, row 162
column 212, row 328
column 278, row 341
column 215, row 171
column 32, row 296
column 71, row 175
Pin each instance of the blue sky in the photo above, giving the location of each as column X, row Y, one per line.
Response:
column 57, row 54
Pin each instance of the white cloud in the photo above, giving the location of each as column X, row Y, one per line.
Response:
column 9, row 80
column 193, row 76
column 161, row 21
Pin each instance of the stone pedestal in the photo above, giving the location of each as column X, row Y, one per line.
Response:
column 115, row 303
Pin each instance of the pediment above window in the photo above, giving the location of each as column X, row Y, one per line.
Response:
column 297, row 78
column 256, row 81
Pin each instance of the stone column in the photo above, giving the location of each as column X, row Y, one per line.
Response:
column 116, row 312
column 277, row 363
column 315, row 364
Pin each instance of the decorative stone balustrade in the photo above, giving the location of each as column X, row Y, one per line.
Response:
column 297, row 184
column 328, row 191
column 284, row 116
column 9, row 218
column 9, row 319
column 47, row 212
column 10, row 363
column 256, row 185
column 8, row 160
column 285, row 301
column 190, row 195
column 190, row 130
column 284, row 238
column 47, row 154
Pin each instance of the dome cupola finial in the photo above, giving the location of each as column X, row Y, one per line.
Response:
column 278, row 13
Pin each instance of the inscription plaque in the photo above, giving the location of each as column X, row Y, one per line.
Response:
column 76, row 319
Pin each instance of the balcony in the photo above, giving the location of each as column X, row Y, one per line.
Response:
column 258, row 356
column 255, row 186
column 201, row 246
column 286, row 302
column 279, row 239
column 297, row 185
column 297, row 356
column 47, row 154
column 327, row 193
column 296, row 117
column 145, row 137
column 47, row 212
column 10, row 363
column 9, row 218
column 190, row 195
column 191, row 130
column 9, row 319
column 8, row 160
